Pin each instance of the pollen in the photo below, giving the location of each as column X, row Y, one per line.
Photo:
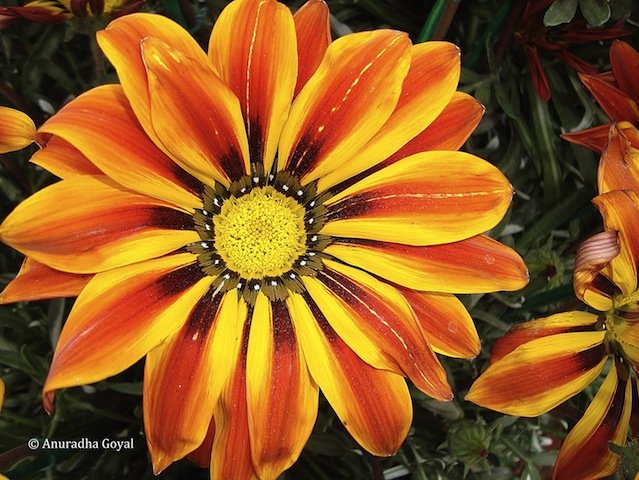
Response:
column 261, row 233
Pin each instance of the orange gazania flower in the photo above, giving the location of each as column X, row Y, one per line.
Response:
column 55, row 11
column 539, row 364
column 282, row 215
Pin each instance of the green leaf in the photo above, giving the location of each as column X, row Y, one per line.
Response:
column 597, row 12
column 561, row 11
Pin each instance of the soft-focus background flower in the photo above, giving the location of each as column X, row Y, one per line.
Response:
column 45, row 65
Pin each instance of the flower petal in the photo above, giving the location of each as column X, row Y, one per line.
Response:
column 407, row 203
column 102, row 126
column 312, row 26
column 585, row 453
column 349, row 98
column 376, row 321
column 542, row 327
column 86, row 225
column 36, row 281
column 196, row 117
column 617, row 105
column 63, row 160
column 121, row 44
column 624, row 61
column 619, row 165
column 201, row 456
column 253, row 49
column 475, row 265
column 592, row 274
column 445, row 322
column 16, row 130
column 121, row 315
column 539, row 375
column 595, row 138
column 374, row 405
column 183, row 378
column 282, row 398
column 427, row 89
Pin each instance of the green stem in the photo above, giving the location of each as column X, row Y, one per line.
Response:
column 493, row 26
column 430, row 26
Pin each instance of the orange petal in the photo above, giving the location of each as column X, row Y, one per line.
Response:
column 620, row 210
column 592, row 274
column 617, row 105
column 374, row 405
column 36, row 281
column 539, row 375
column 201, row 456
column 312, row 26
column 102, row 126
column 475, row 265
column 619, row 165
column 183, row 379
column 445, row 322
column 86, row 225
column 195, row 116
column 121, row 315
column 540, row 82
column 282, row 398
column 407, row 202
column 624, row 61
column 343, row 105
column 595, row 138
column 253, row 49
column 16, row 130
column 585, row 453
column 542, row 327
column 121, row 44
column 427, row 89
column 63, row 160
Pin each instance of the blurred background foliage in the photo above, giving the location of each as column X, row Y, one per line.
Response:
column 518, row 60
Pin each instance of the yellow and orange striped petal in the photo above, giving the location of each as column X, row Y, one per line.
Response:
column 617, row 105
column 62, row 159
column 86, row 225
column 405, row 203
column 16, row 130
column 475, row 265
column 196, row 117
column 585, row 453
column 312, row 26
column 253, row 49
column 624, row 61
column 542, row 327
column 201, row 456
column 36, row 281
column 619, row 164
column 445, row 322
column 183, row 378
column 343, row 105
column 102, row 126
column 593, row 272
column 427, row 89
column 121, row 315
column 374, row 405
column 539, row 375
column 282, row 398
column 620, row 210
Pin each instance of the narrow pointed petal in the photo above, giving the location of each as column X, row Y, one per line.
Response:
column 253, row 49
column 36, row 281
column 595, row 138
column 121, row 44
column 620, row 210
column 85, row 225
column 102, row 126
column 121, row 315
column 63, row 160
column 617, row 105
column 313, row 29
column 408, row 203
column 539, row 79
column 619, row 165
column 196, row 117
column 376, row 321
column 427, row 89
column 374, row 405
column 475, row 265
column 593, row 272
column 16, row 130
column 541, row 374
column 282, row 398
column 343, row 105
column 445, row 322
column 184, row 376
column 543, row 327
column 624, row 61
column 585, row 453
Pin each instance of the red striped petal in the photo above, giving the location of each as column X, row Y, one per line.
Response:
column 624, row 61
column 313, row 31
column 592, row 274
column 616, row 103
column 595, row 138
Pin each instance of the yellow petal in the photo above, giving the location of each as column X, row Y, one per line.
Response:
column 16, row 130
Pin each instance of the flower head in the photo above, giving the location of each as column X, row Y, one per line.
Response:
column 281, row 215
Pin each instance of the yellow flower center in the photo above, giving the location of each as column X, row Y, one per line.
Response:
column 261, row 233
